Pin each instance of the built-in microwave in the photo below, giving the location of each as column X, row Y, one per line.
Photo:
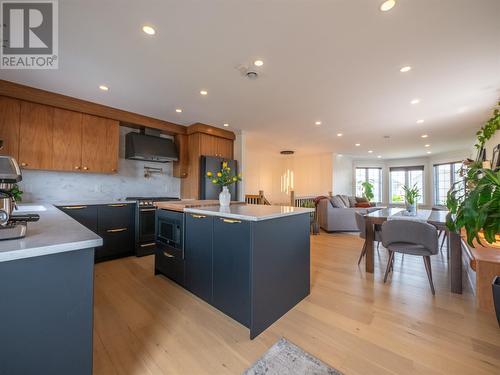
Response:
column 169, row 229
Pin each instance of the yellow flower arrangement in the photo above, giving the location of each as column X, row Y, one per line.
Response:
column 224, row 177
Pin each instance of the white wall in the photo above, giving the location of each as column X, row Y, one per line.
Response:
column 45, row 186
column 239, row 156
column 427, row 162
column 342, row 175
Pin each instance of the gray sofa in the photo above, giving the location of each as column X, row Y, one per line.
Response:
column 339, row 219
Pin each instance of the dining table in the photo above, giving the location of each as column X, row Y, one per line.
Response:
column 434, row 217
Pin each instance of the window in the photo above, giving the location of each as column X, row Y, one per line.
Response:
column 445, row 175
column 405, row 176
column 372, row 175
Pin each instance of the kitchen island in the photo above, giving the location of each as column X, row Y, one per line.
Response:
column 46, row 294
column 252, row 262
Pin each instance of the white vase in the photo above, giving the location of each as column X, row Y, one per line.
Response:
column 412, row 209
column 225, row 197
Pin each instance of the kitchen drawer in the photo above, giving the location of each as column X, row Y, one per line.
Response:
column 117, row 242
column 85, row 215
column 169, row 262
column 112, row 216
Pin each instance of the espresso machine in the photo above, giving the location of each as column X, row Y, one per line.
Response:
column 11, row 226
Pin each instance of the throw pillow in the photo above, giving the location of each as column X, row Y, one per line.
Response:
column 345, row 199
column 352, row 201
column 361, row 199
column 337, row 202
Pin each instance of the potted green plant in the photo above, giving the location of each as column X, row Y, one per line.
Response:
column 224, row 178
column 17, row 193
column 475, row 204
column 411, row 197
column 367, row 190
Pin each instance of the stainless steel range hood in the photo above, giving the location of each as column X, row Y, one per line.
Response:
column 147, row 147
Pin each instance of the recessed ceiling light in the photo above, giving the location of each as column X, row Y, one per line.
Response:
column 258, row 62
column 178, row 110
column 317, row 123
column 148, row 30
column 357, row 144
column 420, row 121
column 104, row 88
column 340, row 155
column 379, row 156
column 405, row 69
column 204, row 92
column 387, row 5
column 370, row 151
column 339, row 134
column 425, row 135
column 226, row 125
column 427, row 145
column 415, row 101
column 429, row 152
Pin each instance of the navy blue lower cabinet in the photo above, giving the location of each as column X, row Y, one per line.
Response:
column 85, row 215
column 198, row 255
column 231, row 268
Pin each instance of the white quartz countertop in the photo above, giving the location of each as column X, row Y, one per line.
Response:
column 250, row 212
column 54, row 233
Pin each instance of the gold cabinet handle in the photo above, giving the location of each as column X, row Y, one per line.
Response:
column 116, row 230
column 147, row 209
column 85, row 168
column 117, row 205
column 168, row 255
column 198, row 216
column 24, row 164
column 76, row 167
column 231, row 221
column 74, row 207
column 148, row 244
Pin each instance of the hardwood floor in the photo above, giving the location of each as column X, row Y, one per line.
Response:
column 146, row 324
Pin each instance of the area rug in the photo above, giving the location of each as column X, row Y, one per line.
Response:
column 285, row 358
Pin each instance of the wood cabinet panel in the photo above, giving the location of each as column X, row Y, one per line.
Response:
column 67, row 140
column 224, row 148
column 181, row 167
column 10, row 110
column 208, row 145
column 100, row 139
column 36, row 136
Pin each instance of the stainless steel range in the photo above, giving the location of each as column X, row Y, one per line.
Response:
column 145, row 223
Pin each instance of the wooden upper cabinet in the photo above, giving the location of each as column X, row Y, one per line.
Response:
column 208, row 146
column 180, row 168
column 67, row 140
column 10, row 110
column 100, row 137
column 36, row 135
column 224, row 148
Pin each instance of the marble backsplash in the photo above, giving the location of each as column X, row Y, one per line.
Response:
column 49, row 187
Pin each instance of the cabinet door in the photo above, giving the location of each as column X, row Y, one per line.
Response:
column 198, row 255
column 208, row 145
column 116, row 242
column 115, row 216
column 99, row 144
column 67, row 140
column 36, row 136
column 224, row 148
column 10, row 110
column 231, row 268
column 181, row 167
column 85, row 215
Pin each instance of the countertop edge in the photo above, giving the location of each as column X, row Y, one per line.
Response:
column 49, row 250
column 229, row 215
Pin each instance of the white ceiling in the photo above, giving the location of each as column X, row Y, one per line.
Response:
column 336, row 61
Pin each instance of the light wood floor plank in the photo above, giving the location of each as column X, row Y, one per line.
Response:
column 146, row 324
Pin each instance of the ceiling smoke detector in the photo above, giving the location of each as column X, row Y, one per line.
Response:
column 287, row 152
column 247, row 71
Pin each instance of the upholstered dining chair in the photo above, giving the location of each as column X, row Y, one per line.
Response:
column 361, row 224
column 413, row 238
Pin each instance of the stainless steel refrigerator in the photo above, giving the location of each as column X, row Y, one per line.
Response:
column 208, row 190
